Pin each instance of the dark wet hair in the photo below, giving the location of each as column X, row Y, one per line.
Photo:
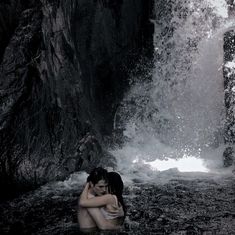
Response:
column 116, row 187
column 98, row 174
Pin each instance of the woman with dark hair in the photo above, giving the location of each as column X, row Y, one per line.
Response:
column 111, row 205
column 115, row 187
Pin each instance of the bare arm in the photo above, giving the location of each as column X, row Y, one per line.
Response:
column 100, row 221
column 95, row 201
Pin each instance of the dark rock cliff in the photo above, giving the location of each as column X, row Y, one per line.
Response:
column 229, row 86
column 64, row 68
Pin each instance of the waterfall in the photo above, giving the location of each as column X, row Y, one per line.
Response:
column 177, row 118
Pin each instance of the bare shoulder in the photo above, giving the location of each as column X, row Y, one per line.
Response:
column 111, row 198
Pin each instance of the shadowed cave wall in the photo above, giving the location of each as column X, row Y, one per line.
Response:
column 64, row 67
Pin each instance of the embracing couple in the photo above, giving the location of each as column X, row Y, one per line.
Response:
column 101, row 203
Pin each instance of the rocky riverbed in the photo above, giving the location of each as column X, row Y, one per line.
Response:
column 182, row 205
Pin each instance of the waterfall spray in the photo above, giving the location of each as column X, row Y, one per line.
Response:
column 180, row 113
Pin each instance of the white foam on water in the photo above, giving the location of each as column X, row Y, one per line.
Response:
column 220, row 7
column 184, row 164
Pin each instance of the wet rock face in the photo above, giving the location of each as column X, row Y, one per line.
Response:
column 10, row 11
column 228, row 156
column 20, row 85
column 64, row 67
column 117, row 32
column 229, row 85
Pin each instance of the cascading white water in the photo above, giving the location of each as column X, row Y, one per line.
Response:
column 179, row 114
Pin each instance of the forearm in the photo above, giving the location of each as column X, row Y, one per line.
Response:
column 84, row 197
column 93, row 202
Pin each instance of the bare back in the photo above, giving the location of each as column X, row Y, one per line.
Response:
column 113, row 212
